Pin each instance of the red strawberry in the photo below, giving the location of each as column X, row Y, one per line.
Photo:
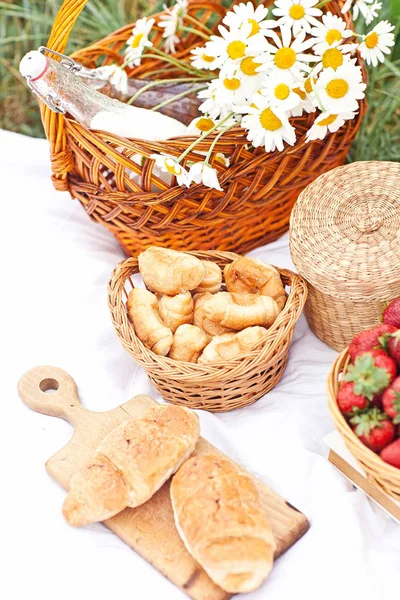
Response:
column 371, row 373
column 391, row 314
column 391, row 401
column 348, row 401
column 391, row 343
column 391, row 454
column 368, row 339
column 374, row 429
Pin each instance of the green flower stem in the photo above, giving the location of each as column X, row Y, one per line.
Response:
column 198, row 24
column 196, row 31
column 185, row 66
column 177, row 97
column 152, row 84
column 201, row 138
column 224, row 130
column 323, row 3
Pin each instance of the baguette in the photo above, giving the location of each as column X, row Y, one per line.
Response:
column 170, row 272
column 219, row 517
column 131, row 464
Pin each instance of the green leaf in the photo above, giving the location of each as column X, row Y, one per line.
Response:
column 368, row 379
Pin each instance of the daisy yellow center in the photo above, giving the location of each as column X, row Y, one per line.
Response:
column 136, row 40
column 248, row 66
column 232, row 84
column 236, row 49
column 207, row 59
column 297, row 11
column 308, row 85
column 337, row 88
column 172, row 167
column 333, row 35
column 372, row 40
column 285, row 58
column 281, row 91
column 255, row 28
column 300, row 93
column 328, row 121
column 269, row 120
column 204, row 124
column 332, row 58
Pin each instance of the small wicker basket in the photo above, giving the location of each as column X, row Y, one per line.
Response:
column 216, row 387
column 259, row 188
column 345, row 241
column 378, row 472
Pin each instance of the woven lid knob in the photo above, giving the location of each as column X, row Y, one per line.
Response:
column 345, row 231
column 366, row 221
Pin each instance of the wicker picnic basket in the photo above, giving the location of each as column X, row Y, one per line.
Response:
column 378, row 471
column 259, row 189
column 345, row 241
column 215, row 387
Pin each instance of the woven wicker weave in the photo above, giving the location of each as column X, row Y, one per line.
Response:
column 215, row 387
column 259, row 188
column 345, row 241
column 379, row 472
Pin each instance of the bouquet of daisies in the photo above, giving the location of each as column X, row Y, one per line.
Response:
column 262, row 69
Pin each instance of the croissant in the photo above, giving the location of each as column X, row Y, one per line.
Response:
column 230, row 345
column 170, row 272
column 254, row 277
column 212, row 279
column 237, row 311
column 176, row 310
column 143, row 312
column 188, row 343
column 131, row 464
column 200, row 319
column 221, row 521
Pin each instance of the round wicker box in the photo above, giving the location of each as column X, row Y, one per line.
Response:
column 221, row 386
column 345, row 241
column 379, row 472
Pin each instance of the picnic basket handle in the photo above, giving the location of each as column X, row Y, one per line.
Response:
column 62, row 160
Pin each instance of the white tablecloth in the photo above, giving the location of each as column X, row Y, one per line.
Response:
column 56, row 265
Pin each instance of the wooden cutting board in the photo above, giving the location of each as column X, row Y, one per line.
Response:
column 148, row 529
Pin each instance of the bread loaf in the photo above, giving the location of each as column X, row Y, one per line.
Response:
column 212, row 279
column 249, row 275
column 238, row 311
column 176, row 310
column 131, row 464
column 170, row 272
column 200, row 319
column 220, row 519
column 188, row 343
column 142, row 310
column 230, row 345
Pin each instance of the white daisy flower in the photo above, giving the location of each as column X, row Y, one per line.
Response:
column 211, row 106
column 235, row 44
column 230, row 91
column 201, row 60
column 138, row 41
column 171, row 22
column 369, row 9
column 202, row 172
column 334, row 57
column 246, row 13
column 278, row 89
column 288, row 54
column 245, row 69
column 327, row 122
column 116, row 76
column 222, row 159
column 168, row 164
column 297, row 14
column 305, row 93
column 200, row 125
column 267, row 126
column 338, row 91
column 330, row 31
column 377, row 43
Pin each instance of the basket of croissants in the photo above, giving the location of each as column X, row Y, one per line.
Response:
column 212, row 329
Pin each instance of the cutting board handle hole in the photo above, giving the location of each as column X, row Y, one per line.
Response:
column 49, row 385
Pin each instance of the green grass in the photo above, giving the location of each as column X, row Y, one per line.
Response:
column 25, row 24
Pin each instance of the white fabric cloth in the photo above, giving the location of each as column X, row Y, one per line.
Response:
column 56, row 265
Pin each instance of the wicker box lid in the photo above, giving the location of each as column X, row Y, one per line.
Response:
column 345, row 232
